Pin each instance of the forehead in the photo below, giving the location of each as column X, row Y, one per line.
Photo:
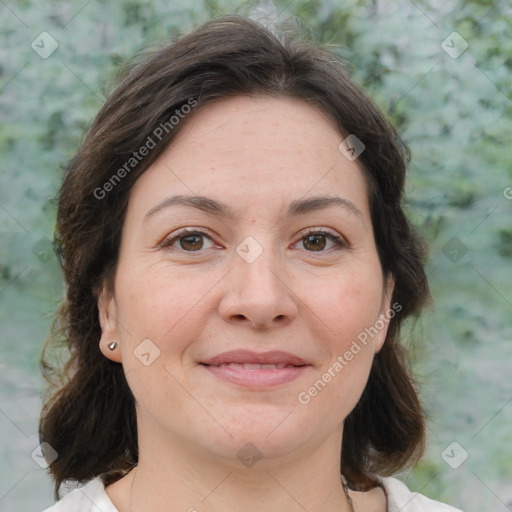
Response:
column 255, row 147
column 259, row 119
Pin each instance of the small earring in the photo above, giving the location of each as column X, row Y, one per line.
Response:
column 113, row 345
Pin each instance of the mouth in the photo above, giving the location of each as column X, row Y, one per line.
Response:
column 275, row 358
column 255, row 366
column 256, row 370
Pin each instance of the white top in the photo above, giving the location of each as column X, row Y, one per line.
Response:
column 92, row 498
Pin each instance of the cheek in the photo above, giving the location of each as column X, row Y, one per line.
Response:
column 158, row 314
column 157, row 392
column 346, row 314
column 348, row 304
column 339, row 383
column 159, row 304
column 161, row 312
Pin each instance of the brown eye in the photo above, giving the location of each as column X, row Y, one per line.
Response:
column 188, row 240
column 317, row 241
column 191, row 242
column 314, row 242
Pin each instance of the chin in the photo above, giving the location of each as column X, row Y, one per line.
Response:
column 262, row 435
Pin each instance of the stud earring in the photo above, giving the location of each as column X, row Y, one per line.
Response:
column 113, row 345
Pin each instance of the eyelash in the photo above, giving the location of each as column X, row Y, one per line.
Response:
column 168, row 242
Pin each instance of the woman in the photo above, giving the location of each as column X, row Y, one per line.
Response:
column 238, row 267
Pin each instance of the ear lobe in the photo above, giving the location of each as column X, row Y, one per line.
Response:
column 107, row 314
column 387, row 312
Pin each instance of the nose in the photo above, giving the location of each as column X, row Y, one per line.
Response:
column 258, row 294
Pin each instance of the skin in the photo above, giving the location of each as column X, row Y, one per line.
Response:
column 198, row 298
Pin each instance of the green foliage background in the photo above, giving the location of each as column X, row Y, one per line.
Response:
column 453, row 113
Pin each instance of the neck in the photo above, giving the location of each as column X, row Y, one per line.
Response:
column 191, row 482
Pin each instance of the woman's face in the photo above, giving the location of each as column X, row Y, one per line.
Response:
column 278, row 255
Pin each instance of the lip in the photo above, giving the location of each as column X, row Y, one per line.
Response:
column 249, row 357
column 254, row 377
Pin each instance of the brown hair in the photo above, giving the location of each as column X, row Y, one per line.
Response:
column 89, row 415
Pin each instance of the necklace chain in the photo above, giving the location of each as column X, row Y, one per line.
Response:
column 345, row 488
column 343, row 483
column 131, row 486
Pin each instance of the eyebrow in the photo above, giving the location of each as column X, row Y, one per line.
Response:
column 221, row 210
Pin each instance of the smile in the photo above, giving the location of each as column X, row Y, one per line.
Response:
column 255, row 366
column 256, row 376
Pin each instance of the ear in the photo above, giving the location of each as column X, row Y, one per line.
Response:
column 386, row 313
column 109, row 327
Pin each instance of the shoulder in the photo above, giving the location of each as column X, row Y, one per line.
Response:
column 401, row 499
column 90, row 497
